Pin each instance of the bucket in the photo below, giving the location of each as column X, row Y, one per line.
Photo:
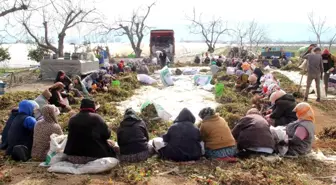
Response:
column 115, row 83
column 219, row 89
column 2, row 88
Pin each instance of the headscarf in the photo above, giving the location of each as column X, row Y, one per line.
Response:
column 253, row 78
column 239, row 73
column 57, row 85
column 206, row 113
column 272, row 88
column 253, row 111
column 304, row 112
column 49, row 113
column 268, row 76
column 326, row 52
column 59, row 74
column 213, row 63
column 245, row 66
column 276, row 95
column 80, row 83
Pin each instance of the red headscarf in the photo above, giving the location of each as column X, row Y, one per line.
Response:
column 326, row 52
column 121, row 64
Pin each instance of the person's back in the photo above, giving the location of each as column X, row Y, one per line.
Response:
column 4, row 134
column 314, row 64
column 183, row 139
column 276, row 63
column 88, row 134
column 22, row 129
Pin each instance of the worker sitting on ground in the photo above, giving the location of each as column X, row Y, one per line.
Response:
column 88, row 137
column 281, row 113
column 64, row 79
column 254, row 85
column 253, row 135
column 133, row 138
column 216, row 134
column 59, row 98
column 301, row 133
column 182, row 139
column 242, row 80
column 214, row 68
column 276, row 62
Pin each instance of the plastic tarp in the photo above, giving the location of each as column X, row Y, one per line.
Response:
column 202, row 80
column 50, row 68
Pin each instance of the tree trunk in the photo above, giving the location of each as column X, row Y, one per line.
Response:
column 137, row 52
column 61, row 37
column 211, row 49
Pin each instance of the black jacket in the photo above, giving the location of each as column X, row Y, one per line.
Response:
column 55, row 99
column 253, row 131
column 183, row 139
column 276, row 63
column 18, row 134
column 283, row 110
column 259, row 74
column 4, row 142
column 88, row 135
column 132, row 135
column 329, row 64
column 66, row 80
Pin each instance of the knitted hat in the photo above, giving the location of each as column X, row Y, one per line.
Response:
column 87, row 104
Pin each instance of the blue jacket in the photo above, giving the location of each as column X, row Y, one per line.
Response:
column 22, row 129
column 183, row 139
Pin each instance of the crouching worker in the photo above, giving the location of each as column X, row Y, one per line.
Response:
column 242, row 80
column 133, row 138
column 254, row 85
column 4, row 134
column 182, row 139
column 216, row 134
column 301, row 132
column 21, row 132
column 253, row 135
column 43, row 130
column 281, row 113
column 88, row 136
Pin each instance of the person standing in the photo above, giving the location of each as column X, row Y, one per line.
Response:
column 329, row 66
column 315, row 71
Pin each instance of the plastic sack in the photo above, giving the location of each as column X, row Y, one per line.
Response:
column 190, row 71
column 157, row 143
column 163, row 114
column 322, row 91
column 208, row 87
column 279, row 134
column 55, row 154
column 93, row 167
column 230, row 70
column 202, row 79
column 219, row 89
column 146, row 79
column 165, row 77
column 267, row 68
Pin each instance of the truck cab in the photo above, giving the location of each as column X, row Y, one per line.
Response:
column 162, row 40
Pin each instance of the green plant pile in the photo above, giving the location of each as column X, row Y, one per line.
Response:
column 288, row 85
column 328, row 133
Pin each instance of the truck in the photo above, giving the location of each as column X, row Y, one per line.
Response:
column 162, row 40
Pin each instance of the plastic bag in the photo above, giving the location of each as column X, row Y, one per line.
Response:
column 322, row 91
column 93, row 167
column 163, row 114
column 146, row 79
column 208, row 87
column 303, row 66
column 166, row 77
column 279, row 134
column 157, row 143
column 55, row 154
column 202, row 79
column 230, row 70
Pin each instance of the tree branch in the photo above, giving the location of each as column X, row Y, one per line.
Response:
column 15, row 8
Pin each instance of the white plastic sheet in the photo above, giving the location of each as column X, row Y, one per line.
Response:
column 55, row 154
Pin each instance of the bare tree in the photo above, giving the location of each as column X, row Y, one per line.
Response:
column 210, row 31
column 241, row 32
column 64, row 13
column 256, row 34
column 15, row 6
column 135, row 29
column 317, row 27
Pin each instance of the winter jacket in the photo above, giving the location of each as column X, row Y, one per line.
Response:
column 132, row 135
column 42, row 132
column 22, row 129
column 80, row 86
column 252, row 131
column 90, row 79
column 314, row 64
column 216, row 133
column 283, row 110
column 329, row 61
column 4, row 134
column 296, row 145
column 183, row 139
column 56, row 98
column 276, row 63
column 259, row 74
column 88, row 135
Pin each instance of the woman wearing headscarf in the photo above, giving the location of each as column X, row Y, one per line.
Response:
column 214, row 68
column 257, row 71
column 253, row 135
column 329, row 62
column 64, row 79
column 58, row 98
column 80, row 87
column 282, row 108
column 133, row 138
column 301, row 133
column 88, row 137
column 43, row 130
column 242, row 80
column 182, row 139
column 4, row 135
column 254, row 85
column 246, row 68
column 21, row 131
column 216, row 134
column 90, row 80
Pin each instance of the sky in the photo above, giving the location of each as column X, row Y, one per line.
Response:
column 284, row 20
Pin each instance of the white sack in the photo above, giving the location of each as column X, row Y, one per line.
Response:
column 146, row 79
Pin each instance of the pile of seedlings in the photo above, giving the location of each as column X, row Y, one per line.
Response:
column 288, row 85
column 328, row 133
